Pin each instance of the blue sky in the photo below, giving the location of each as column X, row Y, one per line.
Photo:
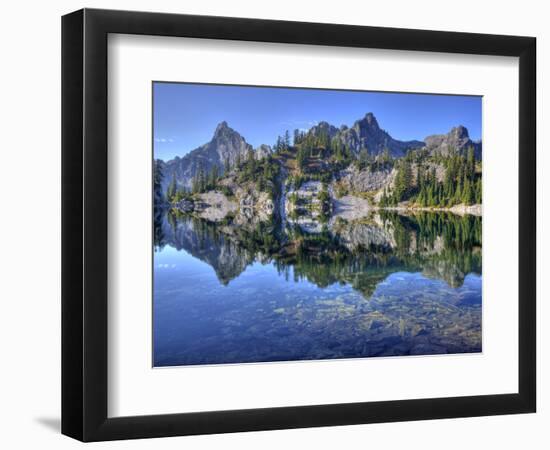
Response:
column 186, row 115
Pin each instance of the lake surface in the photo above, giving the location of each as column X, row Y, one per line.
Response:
column 387, row 286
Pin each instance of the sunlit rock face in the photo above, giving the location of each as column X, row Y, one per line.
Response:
column 214, row 206
column 263, row 151
column 356, row 180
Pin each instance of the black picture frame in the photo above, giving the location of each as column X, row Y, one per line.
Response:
column 84, row 224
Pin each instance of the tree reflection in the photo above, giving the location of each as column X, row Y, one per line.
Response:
column 360, row 253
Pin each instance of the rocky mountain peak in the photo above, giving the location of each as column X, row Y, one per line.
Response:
column 459, row 132
column 367, row 134
column 227, row 146
column 456, row 140
column 227, row 143
column 222, row 129
column 323, row 127
column 371, row 120
column 367, row 124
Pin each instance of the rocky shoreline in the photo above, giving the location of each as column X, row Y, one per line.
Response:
column 461, row 210
column 216, row 206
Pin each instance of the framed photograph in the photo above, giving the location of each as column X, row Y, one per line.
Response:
column 273, row 224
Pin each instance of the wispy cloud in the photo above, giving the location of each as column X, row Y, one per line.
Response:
column 301, row 124
column 164, row 140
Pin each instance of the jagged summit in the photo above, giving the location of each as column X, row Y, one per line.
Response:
column 221, row 128
column 460, row 132
column 458, row 139
column 323, row 127
column 365, row 134
column 228, row 146
column 224, row 131
column 370, row 121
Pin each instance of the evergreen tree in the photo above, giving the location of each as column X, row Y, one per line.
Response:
column 384, row 198
column 201, row 183
column 467, row 192
column 430, row 198
column 478, row 191
column 250, row 159
column 363, row 159
column 297, row 136
column 287, row 140
column 213, row 177
column 301, row 158
column 323, row 139
column 195, row 184
column 158, row 176
column 471, row 162
column 338, row 153
column 226, row 166
column 457, row 197
column 403, row 181
column 386, row 156
column 171, row 191
column 419, row 177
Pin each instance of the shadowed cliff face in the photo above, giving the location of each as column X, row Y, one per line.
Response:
column 360, row 253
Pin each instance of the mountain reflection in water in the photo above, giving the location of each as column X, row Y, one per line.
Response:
column 382, row 286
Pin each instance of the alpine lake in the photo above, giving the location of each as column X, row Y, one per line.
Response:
column 388, row 284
